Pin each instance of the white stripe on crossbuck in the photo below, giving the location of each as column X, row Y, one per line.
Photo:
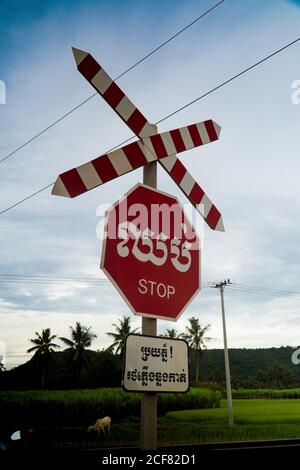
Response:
column 120, row 161
column 168, row 143
column 204, row 206
column 89, row 175
column 220, row 225
column 150, row 156
column 186, row 137
column 59, row 188
column 101, row 81
column 203, row 132
column 168, row 162
column 148, row 129
column 125, row 108
column 187, row 183
column 148, row 144
column 79, row 55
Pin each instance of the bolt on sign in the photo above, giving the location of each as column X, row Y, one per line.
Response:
column 153, row 364
column 151, row 253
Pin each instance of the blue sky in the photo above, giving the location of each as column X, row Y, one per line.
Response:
column 251, row 173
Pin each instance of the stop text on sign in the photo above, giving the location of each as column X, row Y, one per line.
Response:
column 153, row 288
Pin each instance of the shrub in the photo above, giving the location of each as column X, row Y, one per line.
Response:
column 266, row 393
column 83, row 407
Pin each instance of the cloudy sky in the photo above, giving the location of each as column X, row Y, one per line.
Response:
column 252, row 173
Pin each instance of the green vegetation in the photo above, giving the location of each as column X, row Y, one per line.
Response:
column 254, row 419
column 104, row 370
column 119, row 335
column 80, row 367
column 195, row 336
column 78, row 357
column 43, row 347
column 250, row 368
column 83, row 407
column 266, row 393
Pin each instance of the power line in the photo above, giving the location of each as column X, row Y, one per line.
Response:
column 231, row 79
column 252, row 289
column 251, row 286
column 61, row 280
column 69, row 280
column 265, row 291
column 7, row 278
column 40, row 276
column 115, row 79
column 179, row 109
column 26, row 198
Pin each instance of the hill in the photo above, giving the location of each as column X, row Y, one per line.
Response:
column 103, row 369
column 265, row 367
column 247, row 365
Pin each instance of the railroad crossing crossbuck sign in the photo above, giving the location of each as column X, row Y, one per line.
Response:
column 150, row 147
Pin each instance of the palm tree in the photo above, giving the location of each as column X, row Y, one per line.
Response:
column 119, row 336
column 195, row 336
column 43, row 347
column 81, row 338
column 172, row 333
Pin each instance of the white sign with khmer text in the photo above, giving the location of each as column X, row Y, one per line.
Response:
column 154, row 364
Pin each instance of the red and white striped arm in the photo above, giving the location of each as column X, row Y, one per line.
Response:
column 200, row 134
column 132, row 156
column 193, row 192
column 113, row 95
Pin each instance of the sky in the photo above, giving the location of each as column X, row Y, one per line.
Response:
column 251, row 173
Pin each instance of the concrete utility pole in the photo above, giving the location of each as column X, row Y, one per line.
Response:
column 149, row 327
column 221, row 286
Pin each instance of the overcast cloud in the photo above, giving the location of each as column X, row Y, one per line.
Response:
column 251, row 173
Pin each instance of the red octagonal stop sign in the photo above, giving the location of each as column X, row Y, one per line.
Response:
column 151, row 253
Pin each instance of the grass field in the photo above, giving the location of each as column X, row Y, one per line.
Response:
column 254, row 419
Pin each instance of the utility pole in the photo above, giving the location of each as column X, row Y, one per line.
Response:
column 221, row 286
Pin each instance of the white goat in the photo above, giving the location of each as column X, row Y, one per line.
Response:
column 101, row 424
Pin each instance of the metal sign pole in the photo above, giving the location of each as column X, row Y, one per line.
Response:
column 149, row 327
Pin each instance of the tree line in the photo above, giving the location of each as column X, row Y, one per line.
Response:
column 78, row 355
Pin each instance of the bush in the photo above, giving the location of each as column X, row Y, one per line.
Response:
column 83, row 407
column 266, row 393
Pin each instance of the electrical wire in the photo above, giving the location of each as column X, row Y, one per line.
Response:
column 93, row 281
column 57, row 280
column 115, row 79
column 247, row 69
column 179, row 109
column 260, row 291
column 251, row 286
